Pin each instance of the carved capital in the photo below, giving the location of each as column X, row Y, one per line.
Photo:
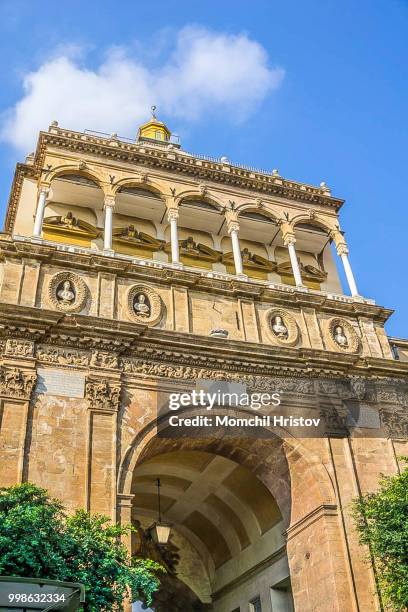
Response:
column 109, row 201
column 44, row 189
column 172, row 214
column 232, row 226
column 16, row 383
column 339, row 241
column 395, row 422
column 289, row 239
column 342, row 249
column 335, row 419
column 103, row 395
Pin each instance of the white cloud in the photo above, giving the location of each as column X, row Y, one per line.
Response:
column 207, row 72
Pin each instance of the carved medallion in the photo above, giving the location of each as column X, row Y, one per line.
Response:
column 144, row 304
column 343, row 336
column 282, row 327
column 67, row 292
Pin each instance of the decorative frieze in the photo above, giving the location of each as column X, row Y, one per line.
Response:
column 104, row 360
column 151, row 368
column 62, row 356
column 19, row 348
column 335, row 419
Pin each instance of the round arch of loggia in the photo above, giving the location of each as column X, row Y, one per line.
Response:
column 263, row 209
column 317, row 221
column 70, row 169
column 195, row 194
column 139, row 183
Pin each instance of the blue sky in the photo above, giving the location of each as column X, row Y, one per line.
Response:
column 317, row 89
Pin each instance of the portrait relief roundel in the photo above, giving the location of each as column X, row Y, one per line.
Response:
column 343, row 336
column 282, row 327
column 67, row 292
column 144, row 305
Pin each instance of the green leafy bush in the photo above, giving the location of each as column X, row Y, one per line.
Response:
column 382, row 522
column 37, row 539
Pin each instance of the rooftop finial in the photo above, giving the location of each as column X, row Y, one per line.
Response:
column 154, row 111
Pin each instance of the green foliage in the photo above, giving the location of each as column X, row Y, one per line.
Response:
column 382, row 523
column 37, row 539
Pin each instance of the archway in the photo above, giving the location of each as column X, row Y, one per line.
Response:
column 227, row 544
column 296, row 485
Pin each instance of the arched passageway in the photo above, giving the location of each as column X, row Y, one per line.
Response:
column 227, row 544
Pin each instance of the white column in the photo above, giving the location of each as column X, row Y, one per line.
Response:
column 39, row 215
column 172, row 217
column 107, row 234
column 233, row 229
column 342, row 251
column 289, row 241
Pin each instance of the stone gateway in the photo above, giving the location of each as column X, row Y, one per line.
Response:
column 130, row 271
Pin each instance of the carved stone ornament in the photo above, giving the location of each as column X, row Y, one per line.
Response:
column 335, row 418
column 103, row 360
column 16, row 383
column 67, row 292
column 144, row 305
column 103, row 395
column 62, row 356
column 19, row 348
column 342, row 336
column 395, row 422
column 282, row 327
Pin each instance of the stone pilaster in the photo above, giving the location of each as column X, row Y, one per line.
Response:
column 17, row 380
column 103, row 395
column 318, row 570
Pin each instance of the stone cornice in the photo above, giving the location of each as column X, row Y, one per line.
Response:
column 135, row 341
column 21, row 171
column 157, row 274
column 249, row 574
column 169, row 160
column 178, row 161
column 313, row 516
